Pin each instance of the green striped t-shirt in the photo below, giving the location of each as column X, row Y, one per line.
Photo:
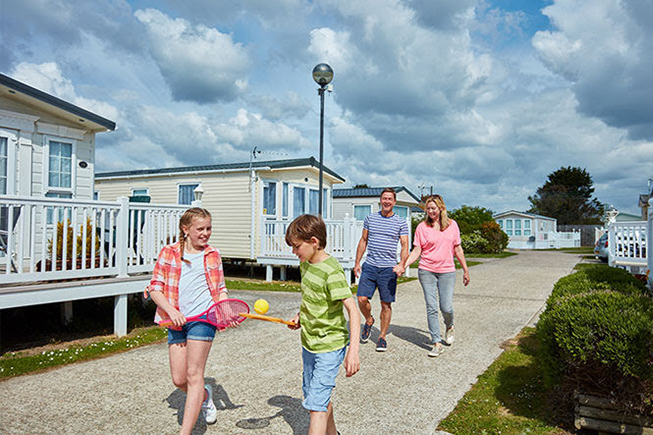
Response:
column 324, row 286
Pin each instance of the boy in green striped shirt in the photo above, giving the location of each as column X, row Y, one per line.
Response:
column 325, row 338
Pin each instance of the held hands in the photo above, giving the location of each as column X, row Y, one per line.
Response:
column 399, row 269
column 295, row 320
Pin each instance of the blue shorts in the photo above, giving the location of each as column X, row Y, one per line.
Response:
column 200, row 331
column 382, row 277
column 320, row 370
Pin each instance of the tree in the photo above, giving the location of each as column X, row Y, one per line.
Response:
column 470, row 219
column 361, row 186
column 567, row 197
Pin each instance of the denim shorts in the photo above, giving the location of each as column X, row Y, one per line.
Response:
column 320, row 370
column 382, row 277
column 200, row 331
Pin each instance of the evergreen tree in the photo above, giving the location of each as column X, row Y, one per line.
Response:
column 567, row 197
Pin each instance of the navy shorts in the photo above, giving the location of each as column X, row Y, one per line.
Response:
column 382, row 277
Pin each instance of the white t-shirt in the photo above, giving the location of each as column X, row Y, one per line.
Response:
column 194, row 294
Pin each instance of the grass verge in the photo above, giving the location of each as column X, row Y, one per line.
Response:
column 508, row 398
column 28, row 361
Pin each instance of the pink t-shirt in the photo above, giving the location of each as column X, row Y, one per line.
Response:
column 437, row 247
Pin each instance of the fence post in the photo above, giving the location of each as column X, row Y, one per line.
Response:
column 347, row 237
column 612, row 247
column 649, row 242
column 122, row 224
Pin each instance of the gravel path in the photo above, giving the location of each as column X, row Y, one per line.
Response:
column 256, row 369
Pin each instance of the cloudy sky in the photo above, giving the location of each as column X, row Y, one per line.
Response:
column 477, row 99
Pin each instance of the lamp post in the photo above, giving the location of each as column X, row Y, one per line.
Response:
column 322, row 74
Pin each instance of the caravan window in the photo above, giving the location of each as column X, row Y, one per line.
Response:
column 270, row 198
column 186, row 193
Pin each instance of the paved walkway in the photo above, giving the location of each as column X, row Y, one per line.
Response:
column 256, row 369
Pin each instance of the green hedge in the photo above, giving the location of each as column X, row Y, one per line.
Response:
column 597, row 333
column 606, row 332
column 596, row 278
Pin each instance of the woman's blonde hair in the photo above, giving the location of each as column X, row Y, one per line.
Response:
column 439, row 202
column 186, row 220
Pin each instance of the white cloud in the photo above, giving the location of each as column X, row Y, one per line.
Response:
column 604, row 48
column 48, row 78
column 199, row 63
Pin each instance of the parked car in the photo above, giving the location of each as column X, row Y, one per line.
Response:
column 601, row 248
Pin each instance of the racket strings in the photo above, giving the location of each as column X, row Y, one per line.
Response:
column 227, row 312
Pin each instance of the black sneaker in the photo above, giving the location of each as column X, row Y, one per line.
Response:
column 365, row 333
column 381, row 345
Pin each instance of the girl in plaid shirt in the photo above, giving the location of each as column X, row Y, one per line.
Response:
column 188, row 279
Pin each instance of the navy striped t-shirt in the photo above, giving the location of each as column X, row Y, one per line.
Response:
column 384, row 233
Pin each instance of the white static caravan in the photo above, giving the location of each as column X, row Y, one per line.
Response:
column 47, row 145
column 533, row 231
column 243, row 198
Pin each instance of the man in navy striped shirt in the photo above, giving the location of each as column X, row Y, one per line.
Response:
column 381, row 232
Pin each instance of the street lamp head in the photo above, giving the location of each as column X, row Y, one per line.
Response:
column 322, row 74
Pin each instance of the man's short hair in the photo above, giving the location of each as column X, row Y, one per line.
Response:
column 304, row 227
column 391, row 190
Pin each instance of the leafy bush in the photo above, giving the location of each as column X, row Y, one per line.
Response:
column 596, row 336
column 596, row 278
column 603, row 336
column 473, row 243
column 90, row 238
column 497, row 240
column 470, row 219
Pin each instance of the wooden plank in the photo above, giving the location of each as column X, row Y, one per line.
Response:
column 616, row 416
column 611, row 427
column 597, row 401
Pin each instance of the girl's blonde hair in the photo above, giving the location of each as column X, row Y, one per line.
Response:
column 186, row 220
column 444, row 219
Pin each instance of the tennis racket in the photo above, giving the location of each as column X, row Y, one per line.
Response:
column 266, row 318
column 221, row 314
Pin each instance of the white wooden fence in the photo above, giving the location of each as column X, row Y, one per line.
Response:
column 45, row 239
column 629, row 245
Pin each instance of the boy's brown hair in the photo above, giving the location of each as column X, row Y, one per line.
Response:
column 304, row 227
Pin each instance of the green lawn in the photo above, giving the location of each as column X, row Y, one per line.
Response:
column 508, row 398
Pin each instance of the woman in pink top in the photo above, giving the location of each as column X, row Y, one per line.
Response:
column 437, row 241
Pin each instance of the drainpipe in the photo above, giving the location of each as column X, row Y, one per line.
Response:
column 252, row 200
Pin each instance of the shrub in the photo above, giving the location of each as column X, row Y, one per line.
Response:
column 598, row 339
column 473, row 243
column 69, row 240
column 496, row 239
column 597, row 278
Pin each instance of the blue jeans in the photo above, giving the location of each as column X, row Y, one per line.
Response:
column 437, row 286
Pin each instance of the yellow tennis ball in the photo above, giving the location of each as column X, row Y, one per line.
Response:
column 261, row 306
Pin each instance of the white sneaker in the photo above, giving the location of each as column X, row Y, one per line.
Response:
column 448, row 336
column 436, row 351
column 210, row 411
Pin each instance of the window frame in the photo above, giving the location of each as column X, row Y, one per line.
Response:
column 46, row 166
column 12, row 140
column 369, row 207
column 146, row 189
column 179, row 185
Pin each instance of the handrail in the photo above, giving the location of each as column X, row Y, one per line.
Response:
column 59, row 238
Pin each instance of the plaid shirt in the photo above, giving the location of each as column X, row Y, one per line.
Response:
column 167, row 272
